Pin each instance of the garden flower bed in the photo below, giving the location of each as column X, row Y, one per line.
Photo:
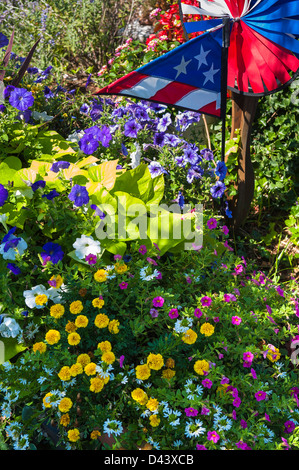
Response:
column 114, row 336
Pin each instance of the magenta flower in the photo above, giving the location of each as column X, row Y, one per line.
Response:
column 253, row 373
column 121, row 361
column 267, row 417
column 206, row 301
column 247, row 358
column 213, row 436
column 123, row 285
column 191, row 411
column 225, row 230
column 239, row 269
column 289, row 426
column 142, row 249
column 224, row 380
column 205, row 411
column 236, row 320
column 200, row 447
column 91, row 259
column 207, row 383
column 152, row 261
column 198, row 312
column 229, row 297
column 234, row 414
column 237, row 402
column 173, row 313
column 260, row 395
column 158, row 301
column 212, row 223
column 154, row 313
column 243, row 424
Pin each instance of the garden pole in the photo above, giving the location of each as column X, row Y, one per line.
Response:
column 243, row 113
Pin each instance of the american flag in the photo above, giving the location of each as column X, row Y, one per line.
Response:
column 187, row 77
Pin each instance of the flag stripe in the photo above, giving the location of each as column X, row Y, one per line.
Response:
column 127, row 82
column 199, row 98
column 147, row 87
column 173, row 93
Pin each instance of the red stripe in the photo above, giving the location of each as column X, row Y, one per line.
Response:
column 252, row 70
column 173, row 92
column 123, row 83
column 233, row 7
column 210, row 109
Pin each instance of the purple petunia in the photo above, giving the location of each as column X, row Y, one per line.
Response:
column 3, row 195
column 105, row 136
column 3, row 40
column 52, row 252
column 14, row 269
column 131, row 128
column 88, row 143
column 38, row 184
column 289, row 426
column 21, row 99
column 79, row 195
column 218, row 189
column 221, row 170
column 57, row 166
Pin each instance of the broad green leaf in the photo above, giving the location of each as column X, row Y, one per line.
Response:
column 11, row 348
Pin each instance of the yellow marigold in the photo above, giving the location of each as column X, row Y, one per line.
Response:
column 273, row 355
column 105, row 346
column 96, row 384
column 113, row 327
column 101, row 320
column 56, row 281
column 189, row 337
column 207, row 329
column 47, row 400
column 65, row 373
column 100, row 275
column 143, row 372
column 140, row 396
column 83, row 359
column 152, row 404
column 52, row 336
column 201, row 366
column 120, row 268
column 40, row 347
column 76, row 307
column 81, row 321
column 57, row 310
column 170, row 363
column 65, row 420
column 41, row 299
column 74, row 339
column 98, row 302
column 90, row 369
column 76, row 369
column 65, row 405
column 108, row 357
column 154, row 420
column 95, row 434
column 168, row 373
column 70, row 327
column 73, row 435
column 155, row 361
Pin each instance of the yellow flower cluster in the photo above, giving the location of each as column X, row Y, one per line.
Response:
column 74, row 339
column 98, row 302
column 81, row 321
column 40, row 347
column 73, row 435
column 155, row 361
column 189, row 337
column 105, row 346
column 120, row 268
column 154, row 420
column 52, row 336
column 168, row 374
column 140, row 396
column 76, row 307
column 143, row 372
column 58, row 281
column 100, row 275
column 57, row 311
column 95, row 434
column 201, row 366
column 207, row 329
column 273, row 354
column 41, row 299
column 65, row 405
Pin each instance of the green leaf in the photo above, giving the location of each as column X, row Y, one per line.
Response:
column 11, row 348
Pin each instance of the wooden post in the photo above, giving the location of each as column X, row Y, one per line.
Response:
column 243, row 113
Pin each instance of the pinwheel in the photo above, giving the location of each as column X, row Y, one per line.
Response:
column 263, row 53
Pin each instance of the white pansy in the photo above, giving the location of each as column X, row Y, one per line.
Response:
column 31, row 294
column 136, row 156
column 86, row 245
column 9, row 328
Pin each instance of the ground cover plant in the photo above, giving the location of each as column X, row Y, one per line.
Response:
column 132, row 337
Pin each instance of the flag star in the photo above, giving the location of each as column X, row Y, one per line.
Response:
column 210, row 74
column 181, row 68
column 202, row 57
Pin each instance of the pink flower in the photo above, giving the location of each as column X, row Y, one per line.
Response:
column 239, row 269
column 117, row 257
column 260, row 395
column 142, row 249
column 154, row 313
column 91, row 259
column 200, row 447
column 152, row 261
column 236, row 320
column 206, row 301
column 229, row 297
column 237, row 402
column 207, row 383
column 121, row 360
column 212, row 223
column 225, row 230
column 289, row 426
column 123, row 285
column 213, row 436
column 198, row 312
column 267, row 417
column 173, row 313
column 205, row 411
column 243, row 424
column 158, row 301
column 247, row 358
column 191, row 411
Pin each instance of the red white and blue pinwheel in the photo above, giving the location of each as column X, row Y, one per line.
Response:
column 263, row 54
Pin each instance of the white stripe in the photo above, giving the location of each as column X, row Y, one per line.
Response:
column 199, row 98
column 208, row 9
column 147, row 87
